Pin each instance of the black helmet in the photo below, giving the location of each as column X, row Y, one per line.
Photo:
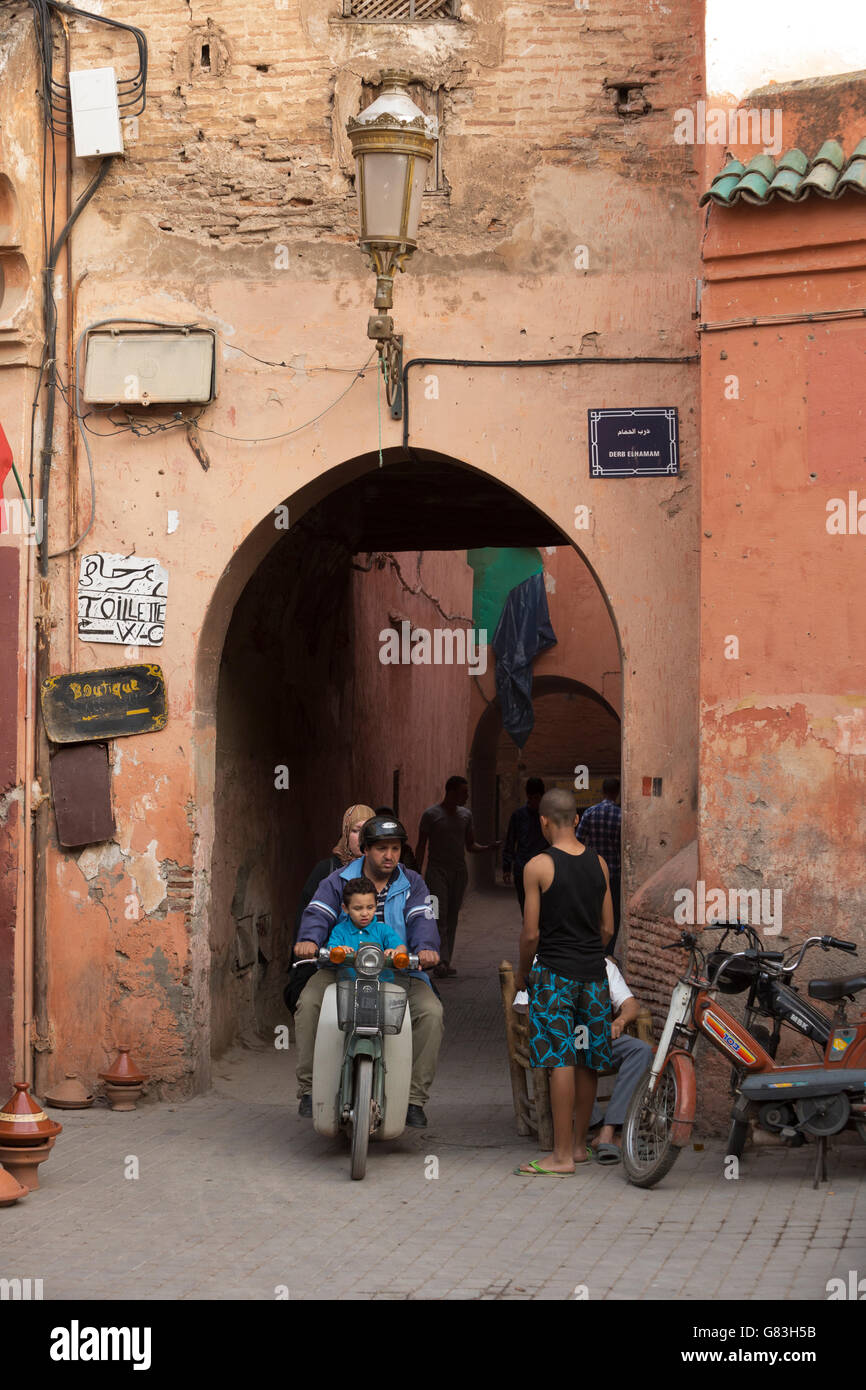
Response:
column 381, row 828
column 735, row 977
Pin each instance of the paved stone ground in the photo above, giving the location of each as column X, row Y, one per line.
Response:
column 237, row 1196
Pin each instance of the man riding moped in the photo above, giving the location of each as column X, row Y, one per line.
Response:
column 402, row 902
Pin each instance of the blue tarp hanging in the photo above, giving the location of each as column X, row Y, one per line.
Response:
column 523, row 632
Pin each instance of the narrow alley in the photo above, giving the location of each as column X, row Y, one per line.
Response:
column 238, row 1198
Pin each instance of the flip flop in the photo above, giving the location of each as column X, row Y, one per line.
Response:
column 608, row 1154
column 541, row 1172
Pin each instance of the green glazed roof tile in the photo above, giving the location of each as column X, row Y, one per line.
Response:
column 793, row 177
column 821, row 177
column 763, row 164
column 795, row 159
column 754, row 187
column 853, row 177
column 721, row 190
column 831, row 152
column 787, row 184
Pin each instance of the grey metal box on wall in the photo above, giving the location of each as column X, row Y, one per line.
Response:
column 157, row 367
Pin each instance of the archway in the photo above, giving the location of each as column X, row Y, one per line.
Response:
column 298, row 716
column 583, row 731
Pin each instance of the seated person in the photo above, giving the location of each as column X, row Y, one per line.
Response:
column 358, row 923
column 631, row 1057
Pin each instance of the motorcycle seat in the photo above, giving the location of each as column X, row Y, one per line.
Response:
column 792, row 1084
column 837, row 988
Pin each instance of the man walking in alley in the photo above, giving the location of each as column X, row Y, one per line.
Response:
column 567, row 922
column 447, row 828
column 523, row 839
column 601, row 829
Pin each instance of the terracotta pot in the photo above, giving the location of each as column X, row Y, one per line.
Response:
column 21, row 1120
column 123, row 1071
column 22, row 1161
column 10, row 1189
column 123, row 1097
column 70, row 1094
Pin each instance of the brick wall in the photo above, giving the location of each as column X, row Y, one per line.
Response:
column 248, row 147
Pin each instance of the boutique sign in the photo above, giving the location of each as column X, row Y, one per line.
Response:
column 634, row 442
column 110, row 703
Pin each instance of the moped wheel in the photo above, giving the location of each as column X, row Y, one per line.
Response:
column 361, row 1115
column 647, row 1151
column 737, row 1136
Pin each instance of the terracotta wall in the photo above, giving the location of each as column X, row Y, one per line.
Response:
column 783, row 677
column 409, row 718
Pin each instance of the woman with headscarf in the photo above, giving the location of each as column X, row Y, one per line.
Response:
column 345, row 850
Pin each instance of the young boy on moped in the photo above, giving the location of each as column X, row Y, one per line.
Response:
column 358, row 923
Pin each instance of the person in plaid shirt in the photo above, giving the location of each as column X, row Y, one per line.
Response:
column 600, row 828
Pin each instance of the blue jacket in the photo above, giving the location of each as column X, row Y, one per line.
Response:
column 407, row 909
column 345, row 933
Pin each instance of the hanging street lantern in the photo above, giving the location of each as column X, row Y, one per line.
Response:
column 393, row 143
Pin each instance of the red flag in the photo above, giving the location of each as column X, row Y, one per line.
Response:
column 5, row 466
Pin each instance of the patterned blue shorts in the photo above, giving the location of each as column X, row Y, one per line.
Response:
column 557, row 1007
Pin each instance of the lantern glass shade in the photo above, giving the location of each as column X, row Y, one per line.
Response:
column 390, row 188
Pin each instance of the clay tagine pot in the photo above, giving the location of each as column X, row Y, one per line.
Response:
column 70, row 1094
column 124, row 1071
column 10, row 1189
column 22, row 1160
column 123, row 1081
column 123, row 1097
column 22, row 1122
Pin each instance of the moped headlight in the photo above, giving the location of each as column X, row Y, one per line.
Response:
column 369, row 960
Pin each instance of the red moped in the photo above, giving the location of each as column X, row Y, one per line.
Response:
column 805, row 1099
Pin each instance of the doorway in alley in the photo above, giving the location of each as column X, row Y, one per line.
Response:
column 352, row 670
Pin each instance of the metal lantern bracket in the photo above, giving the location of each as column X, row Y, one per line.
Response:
column 380, row 328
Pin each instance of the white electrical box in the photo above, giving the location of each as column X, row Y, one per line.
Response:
column 160, row 367
column 95, row 112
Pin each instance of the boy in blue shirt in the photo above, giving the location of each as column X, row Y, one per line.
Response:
column 358, row 923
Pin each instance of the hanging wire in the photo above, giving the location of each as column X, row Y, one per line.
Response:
column 379, row 376
column 267, row 438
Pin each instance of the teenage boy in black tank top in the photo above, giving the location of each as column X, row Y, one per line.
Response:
column 567, row 923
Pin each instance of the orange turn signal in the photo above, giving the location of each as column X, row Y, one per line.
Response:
column 338, row 955
column 400, row 960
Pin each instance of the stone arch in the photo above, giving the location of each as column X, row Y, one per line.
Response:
column 483, row 753
column 246, row 561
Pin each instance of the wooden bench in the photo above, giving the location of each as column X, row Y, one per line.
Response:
column 532, row 1105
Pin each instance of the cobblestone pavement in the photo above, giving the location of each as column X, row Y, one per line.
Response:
column 239, row 1198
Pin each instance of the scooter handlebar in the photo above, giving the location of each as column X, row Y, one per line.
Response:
column 412, row 962
column 850, row 946
column 323, row 955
